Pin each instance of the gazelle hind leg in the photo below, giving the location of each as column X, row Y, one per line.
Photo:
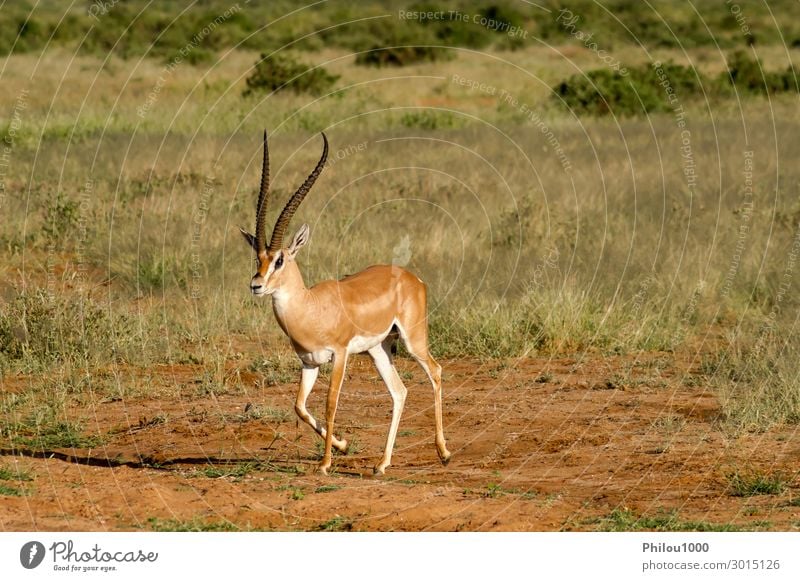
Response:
column 415, row 338
column 381, row 355
column 307, row 381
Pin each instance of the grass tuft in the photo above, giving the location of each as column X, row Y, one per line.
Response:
column 336, row 524
column 755, row 484
column 195, row 525
column 236, row 472
column 39, row 329
column 15, row 474
column 51, row 435
column 624, row 519
column 11, row 491
column 757, row 378
column 327, row 488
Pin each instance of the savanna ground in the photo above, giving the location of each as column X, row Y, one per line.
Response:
column 612, row 287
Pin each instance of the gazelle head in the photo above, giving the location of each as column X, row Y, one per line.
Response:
column 276, row 263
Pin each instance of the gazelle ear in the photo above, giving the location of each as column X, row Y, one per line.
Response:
column 251, row 240
column 300, row 239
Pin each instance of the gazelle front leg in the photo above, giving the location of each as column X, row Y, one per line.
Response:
column 307, row 380
column 337, row 376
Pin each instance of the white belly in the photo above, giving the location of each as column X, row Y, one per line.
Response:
column 362, row 343
column 316, row 357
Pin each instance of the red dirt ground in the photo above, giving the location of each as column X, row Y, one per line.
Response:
column 538, row 444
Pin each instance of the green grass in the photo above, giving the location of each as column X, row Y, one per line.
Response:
column 756, row 483
column 48, row 436
column 194, row 525
column 15, row 475
column 236, row 471
column 11, row 491
column 327, row 488
column 626, row 520
column 495, row 490
column 298, row 469
column 336, row 524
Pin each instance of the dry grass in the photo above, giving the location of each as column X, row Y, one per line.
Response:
column 135, row 219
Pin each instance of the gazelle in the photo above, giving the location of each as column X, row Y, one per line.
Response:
column 364, row 312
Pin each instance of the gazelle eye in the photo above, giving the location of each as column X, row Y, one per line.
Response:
column 279, row 262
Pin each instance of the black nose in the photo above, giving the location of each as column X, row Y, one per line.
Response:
column 256, row 287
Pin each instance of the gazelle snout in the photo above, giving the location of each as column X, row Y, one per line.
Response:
column 258, row 286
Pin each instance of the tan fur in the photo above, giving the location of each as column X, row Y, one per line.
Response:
column 359, row 312
column 334, row 319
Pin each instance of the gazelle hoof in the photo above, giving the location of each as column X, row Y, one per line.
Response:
column 324, row 469
column 342, row 447
column 379, row 471
column 445, row 458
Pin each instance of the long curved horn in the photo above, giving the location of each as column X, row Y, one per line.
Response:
column 261, row 207
column 295, row 200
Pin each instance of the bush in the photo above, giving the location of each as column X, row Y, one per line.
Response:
column 400, row 56
column 604, row 92
column 449, row 31
column 746, row 75
column 277, row 72
column 430, row 120
column 401, row 43
column 389, row 42
column 61, row 218
column 132, row 28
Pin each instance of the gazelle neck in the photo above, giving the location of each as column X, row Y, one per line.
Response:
column 291, row 292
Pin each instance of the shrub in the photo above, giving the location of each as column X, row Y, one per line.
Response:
column 450, row 31
column 61, row 218
column 277, row 72
column 400, row 56
column 430, row 120
column 134, row 27
column 603, row 91
column 747, row 75
column 388, row 42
